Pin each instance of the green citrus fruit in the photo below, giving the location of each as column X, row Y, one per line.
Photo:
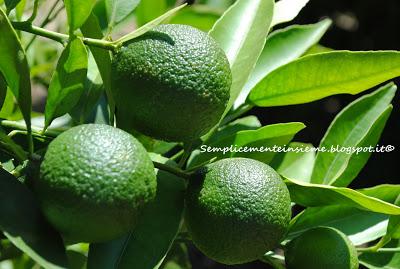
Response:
column 94, row 181
column 172, row 83
column 237, row 210
column 320, row 248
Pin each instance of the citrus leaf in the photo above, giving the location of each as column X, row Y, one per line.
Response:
column 393, row 229
column 14, row 67
column 10, row 146
column 11, row 4
column 259, row 143
column 282, row 47
column 242, row 124
column 23, row 224
column 117, row 10
column 317, row 76
column 313, row 195
column 149, row 242
column 9, row 106
column 149, row 10
column 66, row 86
column 248, row 24
column 148, row 26
column 382, row 260
column 287, row 10
column 298, row 164
column 3, row 91
column 358, row 126
column 93, row 89
column 361, row 226
column 199, row 16
column 78, row 11
column 91, row 28
column 394, row 224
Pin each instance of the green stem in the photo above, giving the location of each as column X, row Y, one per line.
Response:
column 173, row 170
column 37, row 131
column 177, row 155
column 62, row 38
column 34, row 11
column 187, row 150
column 46, row 21
column 381, row 250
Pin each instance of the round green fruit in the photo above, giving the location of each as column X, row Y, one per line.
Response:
column 320, row 248
column 93, row 183
column 172, row 83
column 236, row 210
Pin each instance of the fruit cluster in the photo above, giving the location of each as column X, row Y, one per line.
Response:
column 172, row 84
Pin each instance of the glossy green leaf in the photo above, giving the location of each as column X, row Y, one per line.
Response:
column 9, row 105
column 3, row 91
column 298, row 164
column 150, row 25
column 386, row 192
column 394, row 223
column 248, row 23
column 361, row 226
column 200, row 16
column 317, row 76
column 117, row 10
column 382, row 260
column 313, row 195
column 261, row 144
column 20, row 9
column 11, row 4
column 93, row 89
column 23, row 224
column 91, row 28
column 67, row 83
column 393, row 229
column 282, row 47
column 287, row 10
column 10, row 146
column 147, row 11
column 149, row 242
column 241, row 124
column 78, row 11
column 317, row 48
column 14, row 67
column 358, row 126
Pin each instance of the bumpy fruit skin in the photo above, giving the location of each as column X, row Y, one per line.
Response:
column 94, row 181
column 237, row 210
column 319, row 248
column 172, row 83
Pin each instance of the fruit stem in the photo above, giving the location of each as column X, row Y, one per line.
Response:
column 381, row 250
column 187, row 150
column 173, row 170
column 62, row 38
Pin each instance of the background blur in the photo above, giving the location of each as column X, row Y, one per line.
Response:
column 357, row 25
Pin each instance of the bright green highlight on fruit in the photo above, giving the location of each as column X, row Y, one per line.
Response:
column 321, row 247
column 172, row 83
column 236, row 210
column 94, row 181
